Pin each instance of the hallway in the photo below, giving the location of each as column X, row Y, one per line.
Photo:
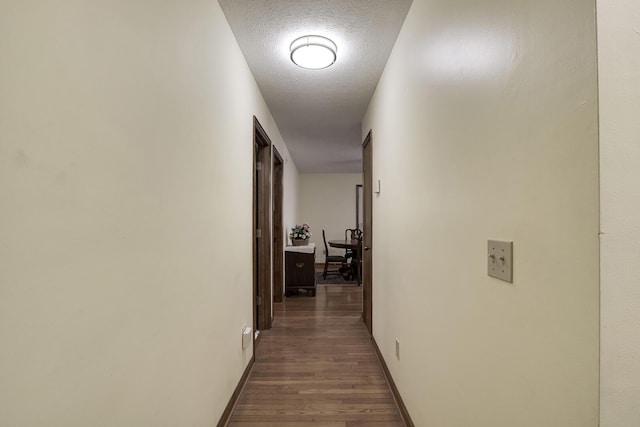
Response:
column 317, row 366
column 127, row 232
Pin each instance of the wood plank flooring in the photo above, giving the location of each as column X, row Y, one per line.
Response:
column 317, row 367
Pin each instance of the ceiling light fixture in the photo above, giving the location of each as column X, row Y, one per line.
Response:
column 313, row 52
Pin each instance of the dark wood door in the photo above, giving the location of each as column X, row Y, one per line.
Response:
column 367, row 269
column 278, row 231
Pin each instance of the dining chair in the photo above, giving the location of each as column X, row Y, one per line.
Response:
column 331, row 259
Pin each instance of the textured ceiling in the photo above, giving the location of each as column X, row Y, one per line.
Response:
column 318, row 112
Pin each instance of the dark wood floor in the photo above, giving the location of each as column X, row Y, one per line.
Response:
column 317, row 367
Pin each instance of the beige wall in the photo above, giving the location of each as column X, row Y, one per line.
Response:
column 125, row 212
column 619, row 81
column 328, row 201
column 485, row 127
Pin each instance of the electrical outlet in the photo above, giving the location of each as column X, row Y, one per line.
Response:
column 246, row 336
column 398, row 349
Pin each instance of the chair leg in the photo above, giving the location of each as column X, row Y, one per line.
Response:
column 326, row 267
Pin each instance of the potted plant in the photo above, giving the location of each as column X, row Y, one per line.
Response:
column 300, row 235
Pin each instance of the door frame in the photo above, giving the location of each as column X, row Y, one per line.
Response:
column 359, row 201
column 367, row 247
column 261, row 221
column 278, row 228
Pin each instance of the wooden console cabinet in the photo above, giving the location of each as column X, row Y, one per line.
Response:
column 300, row 269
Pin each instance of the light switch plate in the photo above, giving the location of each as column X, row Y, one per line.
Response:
column 500, row 260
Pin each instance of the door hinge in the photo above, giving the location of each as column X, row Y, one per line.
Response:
column 258, row 166
column 258, row 300
column 258, row 233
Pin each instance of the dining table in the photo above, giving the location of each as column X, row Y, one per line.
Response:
column 353, row 268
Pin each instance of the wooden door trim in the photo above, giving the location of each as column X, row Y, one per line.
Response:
column 358, row 213
column 278, row 227
column 262, row 269
column 367, row 285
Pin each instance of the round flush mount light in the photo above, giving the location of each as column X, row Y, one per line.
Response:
column 313, row 52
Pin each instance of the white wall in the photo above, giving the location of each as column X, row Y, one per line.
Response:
column 619, row 81
column 125, row 212
column 328, row 201
column 485, row 127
